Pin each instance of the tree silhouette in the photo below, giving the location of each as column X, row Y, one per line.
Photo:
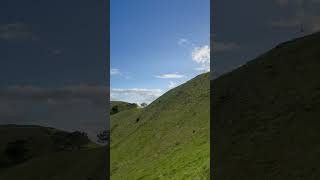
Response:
column 18, row 151
column 114, row 110
column 144, row 105
column 103, row 136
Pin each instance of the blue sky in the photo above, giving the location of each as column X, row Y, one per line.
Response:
column 156, row 45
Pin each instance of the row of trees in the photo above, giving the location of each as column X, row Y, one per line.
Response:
column 69, row 141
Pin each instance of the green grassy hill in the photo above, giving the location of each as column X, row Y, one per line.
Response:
column 45, row 161
column 169, row 139
column 87, row 164
column 118, row 106
column 266, row 115
column 39, row 136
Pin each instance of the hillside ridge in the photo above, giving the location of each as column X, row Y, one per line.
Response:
column 265, row 114
column 164, row 134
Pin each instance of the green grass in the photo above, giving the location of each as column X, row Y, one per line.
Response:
column 121, row 106
column 77, row 165
column 41, row 141
column 171, row 138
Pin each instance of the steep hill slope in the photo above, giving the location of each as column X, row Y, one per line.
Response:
column 169, row 139
column 266, row 115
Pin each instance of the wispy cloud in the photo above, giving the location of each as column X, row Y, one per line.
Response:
column 114, row 71
column 185, row 42
column 61, row 95
column 15, row 31
column 135, row 95
column 68, row 108
column 201, row 55
column 117, row 72
column 170, row 76
column 172, row 84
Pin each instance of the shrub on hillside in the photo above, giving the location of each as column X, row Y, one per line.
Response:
column 18, row 151
column 114, row 110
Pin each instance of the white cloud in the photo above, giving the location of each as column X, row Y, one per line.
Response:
column 15, row 31
column 135, row 95
column 172, row 84
column 201, row 55
column 114, row 71
column 117, row 72
column 67, row 107
column 170, row 76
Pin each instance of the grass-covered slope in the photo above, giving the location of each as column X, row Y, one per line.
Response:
column 40, row 138
column 266, row 115
column 87, row 164
column 169, row 139
column 45, row 162
column 118, row 106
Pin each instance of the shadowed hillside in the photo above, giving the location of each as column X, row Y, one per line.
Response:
column 37, row 153
column 169, row 139
column 266, row 115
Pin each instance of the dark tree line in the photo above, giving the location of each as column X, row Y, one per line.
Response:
column 69, row 141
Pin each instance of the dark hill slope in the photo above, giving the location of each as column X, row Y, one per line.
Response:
column 69, row 165
column 266, row 115
column 39, row 135
column 44, row 160
column 169, row 139
column 37, row 139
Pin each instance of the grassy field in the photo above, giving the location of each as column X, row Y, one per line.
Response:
column 169, row 139
column 266, row 115
column 85, row 164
